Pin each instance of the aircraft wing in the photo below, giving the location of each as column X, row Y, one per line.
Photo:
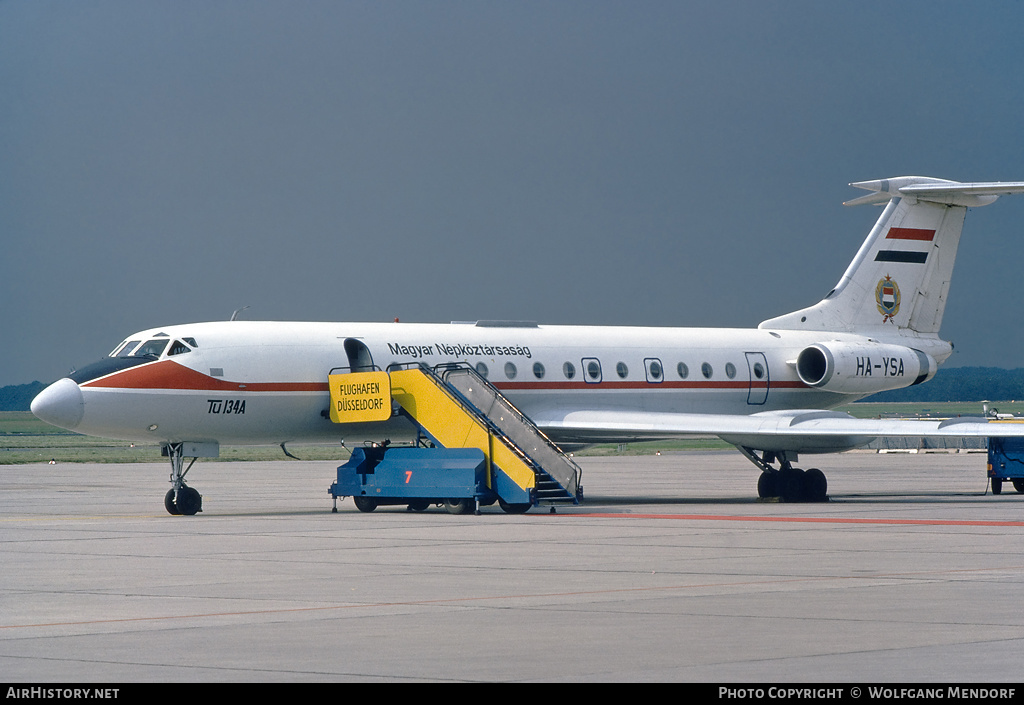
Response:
column 802, row 430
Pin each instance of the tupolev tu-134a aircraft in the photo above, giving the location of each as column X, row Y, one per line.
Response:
column 769, row 390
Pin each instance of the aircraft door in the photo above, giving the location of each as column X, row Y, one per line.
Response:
column 359, row 358
column 757, row 364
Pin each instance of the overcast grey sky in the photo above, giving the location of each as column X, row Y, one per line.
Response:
column 649, row 163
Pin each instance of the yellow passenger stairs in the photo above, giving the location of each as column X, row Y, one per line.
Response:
column 453, row 407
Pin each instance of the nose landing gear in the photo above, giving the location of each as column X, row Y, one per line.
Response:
column 181, row 499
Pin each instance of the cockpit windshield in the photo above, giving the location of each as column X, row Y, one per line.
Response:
column 154, row 348
column 135, row 352
column 125, row 349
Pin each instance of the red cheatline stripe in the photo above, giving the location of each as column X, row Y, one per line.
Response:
column 910, row 234
column 648, row 385
column 799, row 520
column 167, row 374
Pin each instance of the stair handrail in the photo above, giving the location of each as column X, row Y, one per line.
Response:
column 447, row 368
column 439, row 374
column 465, row 404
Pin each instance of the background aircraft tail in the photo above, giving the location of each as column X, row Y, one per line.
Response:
column 901, row 274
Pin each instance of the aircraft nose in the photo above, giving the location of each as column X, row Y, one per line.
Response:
column 60, row 404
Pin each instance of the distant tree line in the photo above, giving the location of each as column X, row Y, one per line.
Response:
column 18, row 397
column 962, row 384
column 956, row 384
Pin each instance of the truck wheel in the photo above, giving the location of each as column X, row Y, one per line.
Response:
column 459, row 506
column 997, row 485
column 514, row 508
column 365, row 504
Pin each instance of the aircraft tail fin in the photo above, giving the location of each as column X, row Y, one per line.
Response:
column 900, row 276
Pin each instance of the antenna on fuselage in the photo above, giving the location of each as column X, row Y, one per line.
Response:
column 237, row 311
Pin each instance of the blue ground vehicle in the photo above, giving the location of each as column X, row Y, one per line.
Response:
column 1006, row 462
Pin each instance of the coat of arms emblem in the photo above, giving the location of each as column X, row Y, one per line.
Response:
column 887, row 297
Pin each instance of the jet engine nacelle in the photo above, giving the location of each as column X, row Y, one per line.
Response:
column 858, row 368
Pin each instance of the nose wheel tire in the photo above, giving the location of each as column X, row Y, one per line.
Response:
column 169, row 504
column 188, row 501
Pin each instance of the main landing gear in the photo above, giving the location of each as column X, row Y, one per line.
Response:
column 180, row 499
column 786, row 482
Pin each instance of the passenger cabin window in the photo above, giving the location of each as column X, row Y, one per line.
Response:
column 705, row 369
column 538, row 370
column 653, row 367
column 510, row 370
column 569, row 370
column 683, row 370
column 482, row 369
column 621, row 370
column 730, row 370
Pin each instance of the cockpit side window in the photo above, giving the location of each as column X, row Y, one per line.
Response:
column 178, row 347
column 152, row 348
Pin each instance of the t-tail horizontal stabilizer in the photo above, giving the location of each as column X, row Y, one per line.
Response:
column 899, row 280
column 924, row 188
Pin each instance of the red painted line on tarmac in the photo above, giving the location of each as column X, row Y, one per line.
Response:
column 799, row 520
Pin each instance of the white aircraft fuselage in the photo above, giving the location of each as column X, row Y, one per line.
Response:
column 243, row 382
